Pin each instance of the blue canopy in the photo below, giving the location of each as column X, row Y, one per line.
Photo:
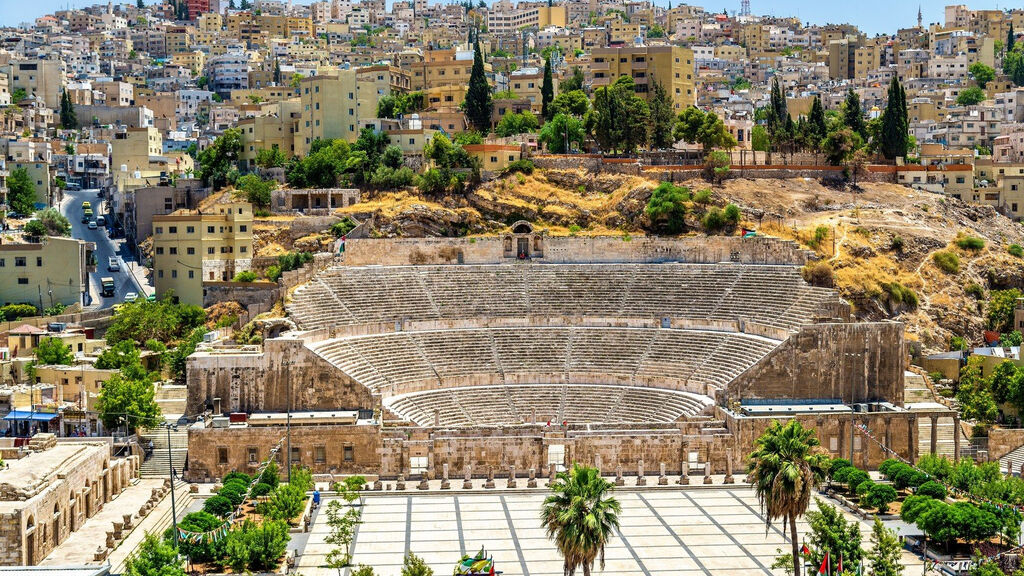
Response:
column 29, row 415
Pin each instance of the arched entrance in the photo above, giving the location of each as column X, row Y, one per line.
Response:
column 524, row 242
column 30, row 541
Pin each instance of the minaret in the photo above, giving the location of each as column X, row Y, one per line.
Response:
column 920, row 20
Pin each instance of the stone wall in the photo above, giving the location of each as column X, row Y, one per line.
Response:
column 33, row 524
column 1002, row 441
column 566, row 250
column 245, row 293
column 853, row 362
column 260, row 381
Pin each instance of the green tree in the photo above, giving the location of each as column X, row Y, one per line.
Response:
column 716, row 166
column 895, row 140
column 879, row 497
column 220, row 158
column 884, row 558
column 853, row 114
column 154, row 558
column 705, row 128
column 478, row 102
column 662, row 118
column 667, row 207
column 970, row 96
column 561, row 132
column 256, row 547
column 778, row 120
column 54, row 352
column 162, row 320
column 759, row 138
column 270, row 158
column 784, row 468
column 21, row 193
column 256, row 190
column 68, row 117
column 56, row 224
column 121, row 356
column 413, row 565
column 982, row 74
column 140, row 4
column 572, row 102
column 285, row 502
column 999, row 312
column 573, row 82
column 516, row 123
column 831, row 531
column 547, row 91
column 840, row 146
column 580, row 515
column 206, row 550
column 621, row 117
column 817, row 128
column 128, row 402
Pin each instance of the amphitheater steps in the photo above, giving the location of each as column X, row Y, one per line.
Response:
column 916, row 390
column 944, row 445
column 1013, row 460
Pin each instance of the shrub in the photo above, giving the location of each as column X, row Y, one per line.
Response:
column 702, row 197
column 260, row 489
column 339, row 229
column 970, row 243
column 899, row 294
column 233, row 493
column 18, row 311
column 906, row 477
column 256, row 547
column 896, row 245
column 202, row 551
column 245, row 276
column 974, row 290
column 713, row 221
column 946, row 261
column 1016, row 250
column 218, row 506
column 863, row 487
column 245, row 478
column 855, row 478
column 957, row 343
column 838, row 464
column 270, row 475
column 879, row 496
column 842, row 474
column 887, row 465
column 574, row 229
column 818, row 274
column 35, row 229
column 932, row 489
column 819, row 236
column 285, row 503
column 732, row 214
column 667, row 207
column 519, row 166
column 273, row 273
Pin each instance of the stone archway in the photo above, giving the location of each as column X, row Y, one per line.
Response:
column 523, row 242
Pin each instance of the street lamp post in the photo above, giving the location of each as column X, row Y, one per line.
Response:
column 288, row 421
column 170, row 473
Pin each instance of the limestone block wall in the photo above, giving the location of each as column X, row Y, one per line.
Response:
column 862, row 362
column 1002, row 441
column 566, row 250
column 260, row 382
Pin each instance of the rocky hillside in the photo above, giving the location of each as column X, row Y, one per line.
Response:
column 879, row 241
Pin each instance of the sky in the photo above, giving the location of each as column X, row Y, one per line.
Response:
column 872, row 16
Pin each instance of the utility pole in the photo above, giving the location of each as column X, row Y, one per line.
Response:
column 288, row 421
column 170, row 473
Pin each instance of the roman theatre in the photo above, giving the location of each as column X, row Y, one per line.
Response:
column 419, row 358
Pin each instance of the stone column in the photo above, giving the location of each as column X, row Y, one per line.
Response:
column 619, row 481
column 935, row 433
column 728, row 468
column 400, row 484
column 662, row 479
column 532, row 482
column 467, row 479
column 551, row 474
column 445, row 484
column 490, row 477
column 842, row 438
column 912, row 438
column 640, row 480
column 956, row 438
column 437, row 418
column 707, row 469
column 511, row 477
column 888, row 436
column 684, row 473
column 425, row 481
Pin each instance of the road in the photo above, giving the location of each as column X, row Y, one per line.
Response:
column 124, row 281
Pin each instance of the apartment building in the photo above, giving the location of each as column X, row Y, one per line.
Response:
column 330, row 109
column 137, row 149
column 503, row 19
column 44, row 78
column 670, row 66
column 45, row 272
column 190, row 247
column 278, row 129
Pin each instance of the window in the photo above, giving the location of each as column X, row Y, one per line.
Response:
column 254, row 455
column 172, row 230
column 174, row 273
column 190, row 229
column 22, row 280
column 494, row 159
column 160, row 273
column 319, row 454
column 3, row 262
column 39, row 261
column 347, row 454
column 417, row 464
column 19, row 261
column 243, row 228
column 173, row 250
column 159, row 229
column 209, row 229
column 296, row 455
column 190, row 251
column 556, row 456
column 222, row 455
column 191, row 274
column 159, row 250
column 210, row 250
column 243, row 249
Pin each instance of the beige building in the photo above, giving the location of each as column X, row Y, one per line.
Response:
column 671, row 66
column 330, row 109
column 44, row 273
column 190, row 247
column 137, row 149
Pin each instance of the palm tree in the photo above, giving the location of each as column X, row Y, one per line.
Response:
column 784, row 468
column 580, row 516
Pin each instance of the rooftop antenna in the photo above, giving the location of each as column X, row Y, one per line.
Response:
column 745, row 8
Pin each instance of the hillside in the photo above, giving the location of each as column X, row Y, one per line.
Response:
column 885, row 235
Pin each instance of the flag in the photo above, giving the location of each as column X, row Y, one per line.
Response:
column 824, row 565
column 840, row 563
column 804, row 550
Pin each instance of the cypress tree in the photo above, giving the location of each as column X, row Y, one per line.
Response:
column 547, row 91
column 894, row 137
column 277, row 72
column 778, row 115
column 478, row 103
column 1011, row 38
column 816, row 126
column 140, row 4
column 68, row 117
column 853, row 114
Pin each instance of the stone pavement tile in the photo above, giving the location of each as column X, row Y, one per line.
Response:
column 419, row 516
column 417, row 535
column 660, row 552
column 621, row 565
column 768, row 550
column 643, row 531
column 694, row 529
column 703, row 539
column 655, row 541
column 675, row 572
column 381, row 547
column 721, row 550
column 728, row 563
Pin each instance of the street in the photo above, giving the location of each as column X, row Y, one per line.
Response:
column 124, row 280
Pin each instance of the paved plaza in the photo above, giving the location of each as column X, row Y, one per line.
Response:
column 689, row 532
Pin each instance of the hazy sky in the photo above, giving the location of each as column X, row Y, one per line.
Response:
column 873, row 16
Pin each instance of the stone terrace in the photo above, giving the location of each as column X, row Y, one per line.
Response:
column 774, row 296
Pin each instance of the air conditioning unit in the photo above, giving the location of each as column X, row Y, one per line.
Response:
column 210, row 337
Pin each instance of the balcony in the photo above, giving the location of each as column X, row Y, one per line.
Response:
column 640, row 65
column 600, row 66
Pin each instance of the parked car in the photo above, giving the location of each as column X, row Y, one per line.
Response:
column 113, row 265
column 101, row 221
column 92, row 225
column 131, row 296
column 86, row 205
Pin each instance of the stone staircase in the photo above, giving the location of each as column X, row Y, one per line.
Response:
column 944, row 445
column 1013, row 459
column 916, row 390
column 171, row 398
column 156, row 465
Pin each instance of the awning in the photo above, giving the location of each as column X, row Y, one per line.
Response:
column 28, row 415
